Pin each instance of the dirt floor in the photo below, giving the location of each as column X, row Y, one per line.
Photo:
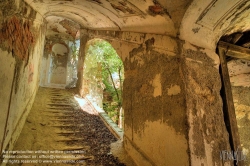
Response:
column 58, row 132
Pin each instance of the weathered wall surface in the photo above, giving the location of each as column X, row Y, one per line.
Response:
column 154, row 104
column 81, row 84
column 204, row 22
column 6, row 76
column 241, row 97
column 21, row 44
column 155, row 131
column 44, row 71
column 207, row 132
column 172, row 104
column 239, row 72
column 54, row 63
column 59, row 64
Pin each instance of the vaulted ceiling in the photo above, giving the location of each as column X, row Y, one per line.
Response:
column 149, row 16
column 210, row 19
column 191, row 20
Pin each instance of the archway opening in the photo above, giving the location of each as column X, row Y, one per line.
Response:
column 103, row 76
column 61, row 51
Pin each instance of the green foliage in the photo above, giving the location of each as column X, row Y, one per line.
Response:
column 111, row 108
column 102, row 56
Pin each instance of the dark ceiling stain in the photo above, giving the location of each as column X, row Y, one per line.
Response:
column 96, row 1
column 38, row 1
column 71, row 27
column 158, row 9
column 55, row 30
column 63, row 0
column 119, row 7
column 123, row 7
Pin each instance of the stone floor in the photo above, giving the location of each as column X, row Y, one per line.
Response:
column 59, row 132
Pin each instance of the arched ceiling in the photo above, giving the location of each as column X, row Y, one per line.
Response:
column 210, row 19
column 62, row 27
column 190, row 19
column 147, row 16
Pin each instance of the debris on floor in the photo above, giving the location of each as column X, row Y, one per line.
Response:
column 58, row 131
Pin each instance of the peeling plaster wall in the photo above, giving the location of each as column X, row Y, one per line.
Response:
column 155, row 120
column 20, row 59
column 155, row 130
column 54, row 63
column 72, row 64
column 207, row 132
column 239, row 72
column 81, row 84
column 45, row 65
column 133, row 15
column 241, row 97
column 59, row 64
column 204, row 22
column 6, row 76
column 172, row 104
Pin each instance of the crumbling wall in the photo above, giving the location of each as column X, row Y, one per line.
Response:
column 154, row 105
column 241, row 97
column 59, row 57
column 206, row 130
column 155, row 129
column 21, row 44
column 171, row 99
column 7, row 79
column 17, row 37
column 81, row 84
column 239, row 72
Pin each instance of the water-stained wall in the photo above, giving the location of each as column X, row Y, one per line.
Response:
column 54, row 63
column 156, row 129
column 59, row 63
column 239, row 72
column 154, row 98
column 172, row 104
column 241, row 97
column 21, row 44
column 207, row 131
column 171, row 99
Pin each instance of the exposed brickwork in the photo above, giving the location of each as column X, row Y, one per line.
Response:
column 16, row 36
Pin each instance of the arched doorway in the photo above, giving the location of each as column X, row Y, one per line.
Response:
column 103, row 75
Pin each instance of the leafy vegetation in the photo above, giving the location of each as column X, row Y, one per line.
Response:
column 105, row 68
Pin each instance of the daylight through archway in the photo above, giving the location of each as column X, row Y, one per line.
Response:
column 103, row 75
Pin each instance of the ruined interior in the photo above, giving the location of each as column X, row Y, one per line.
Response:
column 186, row 95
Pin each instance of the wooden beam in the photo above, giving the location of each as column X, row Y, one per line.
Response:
column 233, row 38
column 228, row 105
column 247, row 44
column 236, row 37
column 235, row 51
